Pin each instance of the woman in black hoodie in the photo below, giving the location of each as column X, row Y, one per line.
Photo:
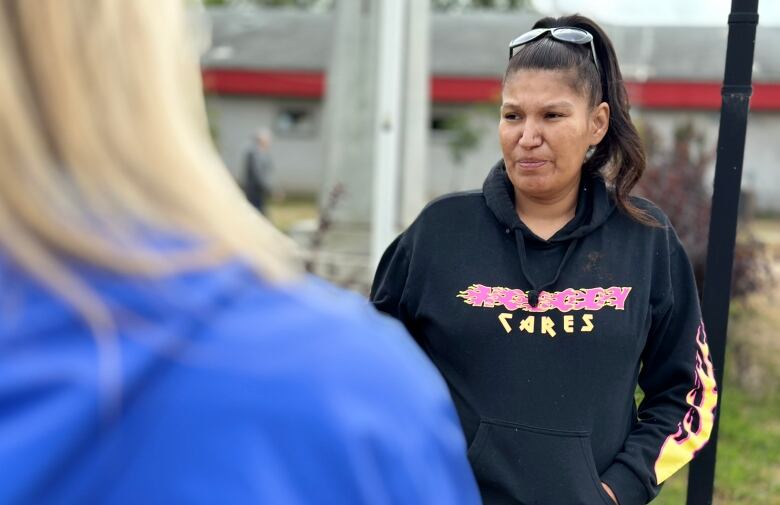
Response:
column 546, row 298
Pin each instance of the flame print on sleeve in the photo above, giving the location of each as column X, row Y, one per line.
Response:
column 694, row 430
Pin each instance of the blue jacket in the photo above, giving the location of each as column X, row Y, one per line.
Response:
column 231, row 391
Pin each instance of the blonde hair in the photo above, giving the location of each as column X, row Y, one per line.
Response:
column 104, row 142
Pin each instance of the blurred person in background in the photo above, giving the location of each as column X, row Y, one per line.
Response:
column 546, row 298
column 158, row 343
column 257, row 170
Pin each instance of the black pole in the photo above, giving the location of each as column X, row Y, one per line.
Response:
column 723, row 218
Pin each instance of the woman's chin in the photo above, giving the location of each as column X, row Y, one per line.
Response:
column 532, row 182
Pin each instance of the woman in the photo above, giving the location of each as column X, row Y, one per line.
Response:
column 547, row 297
column 158, row 344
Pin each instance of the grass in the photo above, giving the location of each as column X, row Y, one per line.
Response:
column 767, row 230
column 748, row 468
column 284, row 213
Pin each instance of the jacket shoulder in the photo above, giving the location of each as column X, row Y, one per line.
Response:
column 450, row 206
column 457, row 198
column 666, row 231
column 652, row 209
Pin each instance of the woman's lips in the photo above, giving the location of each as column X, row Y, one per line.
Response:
column 531, row 164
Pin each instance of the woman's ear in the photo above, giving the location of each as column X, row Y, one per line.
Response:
column 599, row 122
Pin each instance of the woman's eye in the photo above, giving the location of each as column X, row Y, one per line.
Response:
column 510, row 116
column 553, row 115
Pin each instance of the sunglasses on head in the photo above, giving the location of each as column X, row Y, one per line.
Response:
column 568, row 34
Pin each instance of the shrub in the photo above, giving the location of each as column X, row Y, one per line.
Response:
column 678, row 182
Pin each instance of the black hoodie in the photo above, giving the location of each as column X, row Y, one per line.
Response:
column 542, row 343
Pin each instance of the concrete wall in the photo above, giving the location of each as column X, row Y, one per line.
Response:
column 296, row 150
column 298, row 155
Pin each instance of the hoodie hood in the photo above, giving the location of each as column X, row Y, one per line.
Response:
column 594, row 206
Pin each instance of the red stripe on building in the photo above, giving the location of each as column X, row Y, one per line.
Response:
column 450, row 89
column 697, row 95
column 465, row 89
column 264, row 83
column 676, row 95
column 766, row 96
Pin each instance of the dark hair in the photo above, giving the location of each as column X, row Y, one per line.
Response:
column 620, row 157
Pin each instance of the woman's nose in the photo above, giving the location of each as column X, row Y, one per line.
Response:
column 531, row 136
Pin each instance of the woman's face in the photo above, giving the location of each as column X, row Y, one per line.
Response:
column 545, row 130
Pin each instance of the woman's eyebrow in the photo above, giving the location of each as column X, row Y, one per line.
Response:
column 563, row 104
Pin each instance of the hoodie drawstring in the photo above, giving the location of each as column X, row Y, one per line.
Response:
column 536, row 289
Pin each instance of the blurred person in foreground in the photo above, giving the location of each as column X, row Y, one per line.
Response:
column 547, row 297
column 158, row 343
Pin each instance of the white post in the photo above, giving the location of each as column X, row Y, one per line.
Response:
column 387, row 126
column 416, row 134
column 350, row 108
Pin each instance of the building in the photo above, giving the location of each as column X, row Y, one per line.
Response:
column 268, row 68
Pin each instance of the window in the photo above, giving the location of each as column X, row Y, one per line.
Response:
column 441, row 125
column 295, row 122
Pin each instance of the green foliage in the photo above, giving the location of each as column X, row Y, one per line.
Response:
column 463, row 136
column 212, row 116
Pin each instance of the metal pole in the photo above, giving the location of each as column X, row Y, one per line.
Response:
column 723, row 218
column 387, row 126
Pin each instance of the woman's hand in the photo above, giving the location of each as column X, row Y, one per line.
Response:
column 610, row 493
